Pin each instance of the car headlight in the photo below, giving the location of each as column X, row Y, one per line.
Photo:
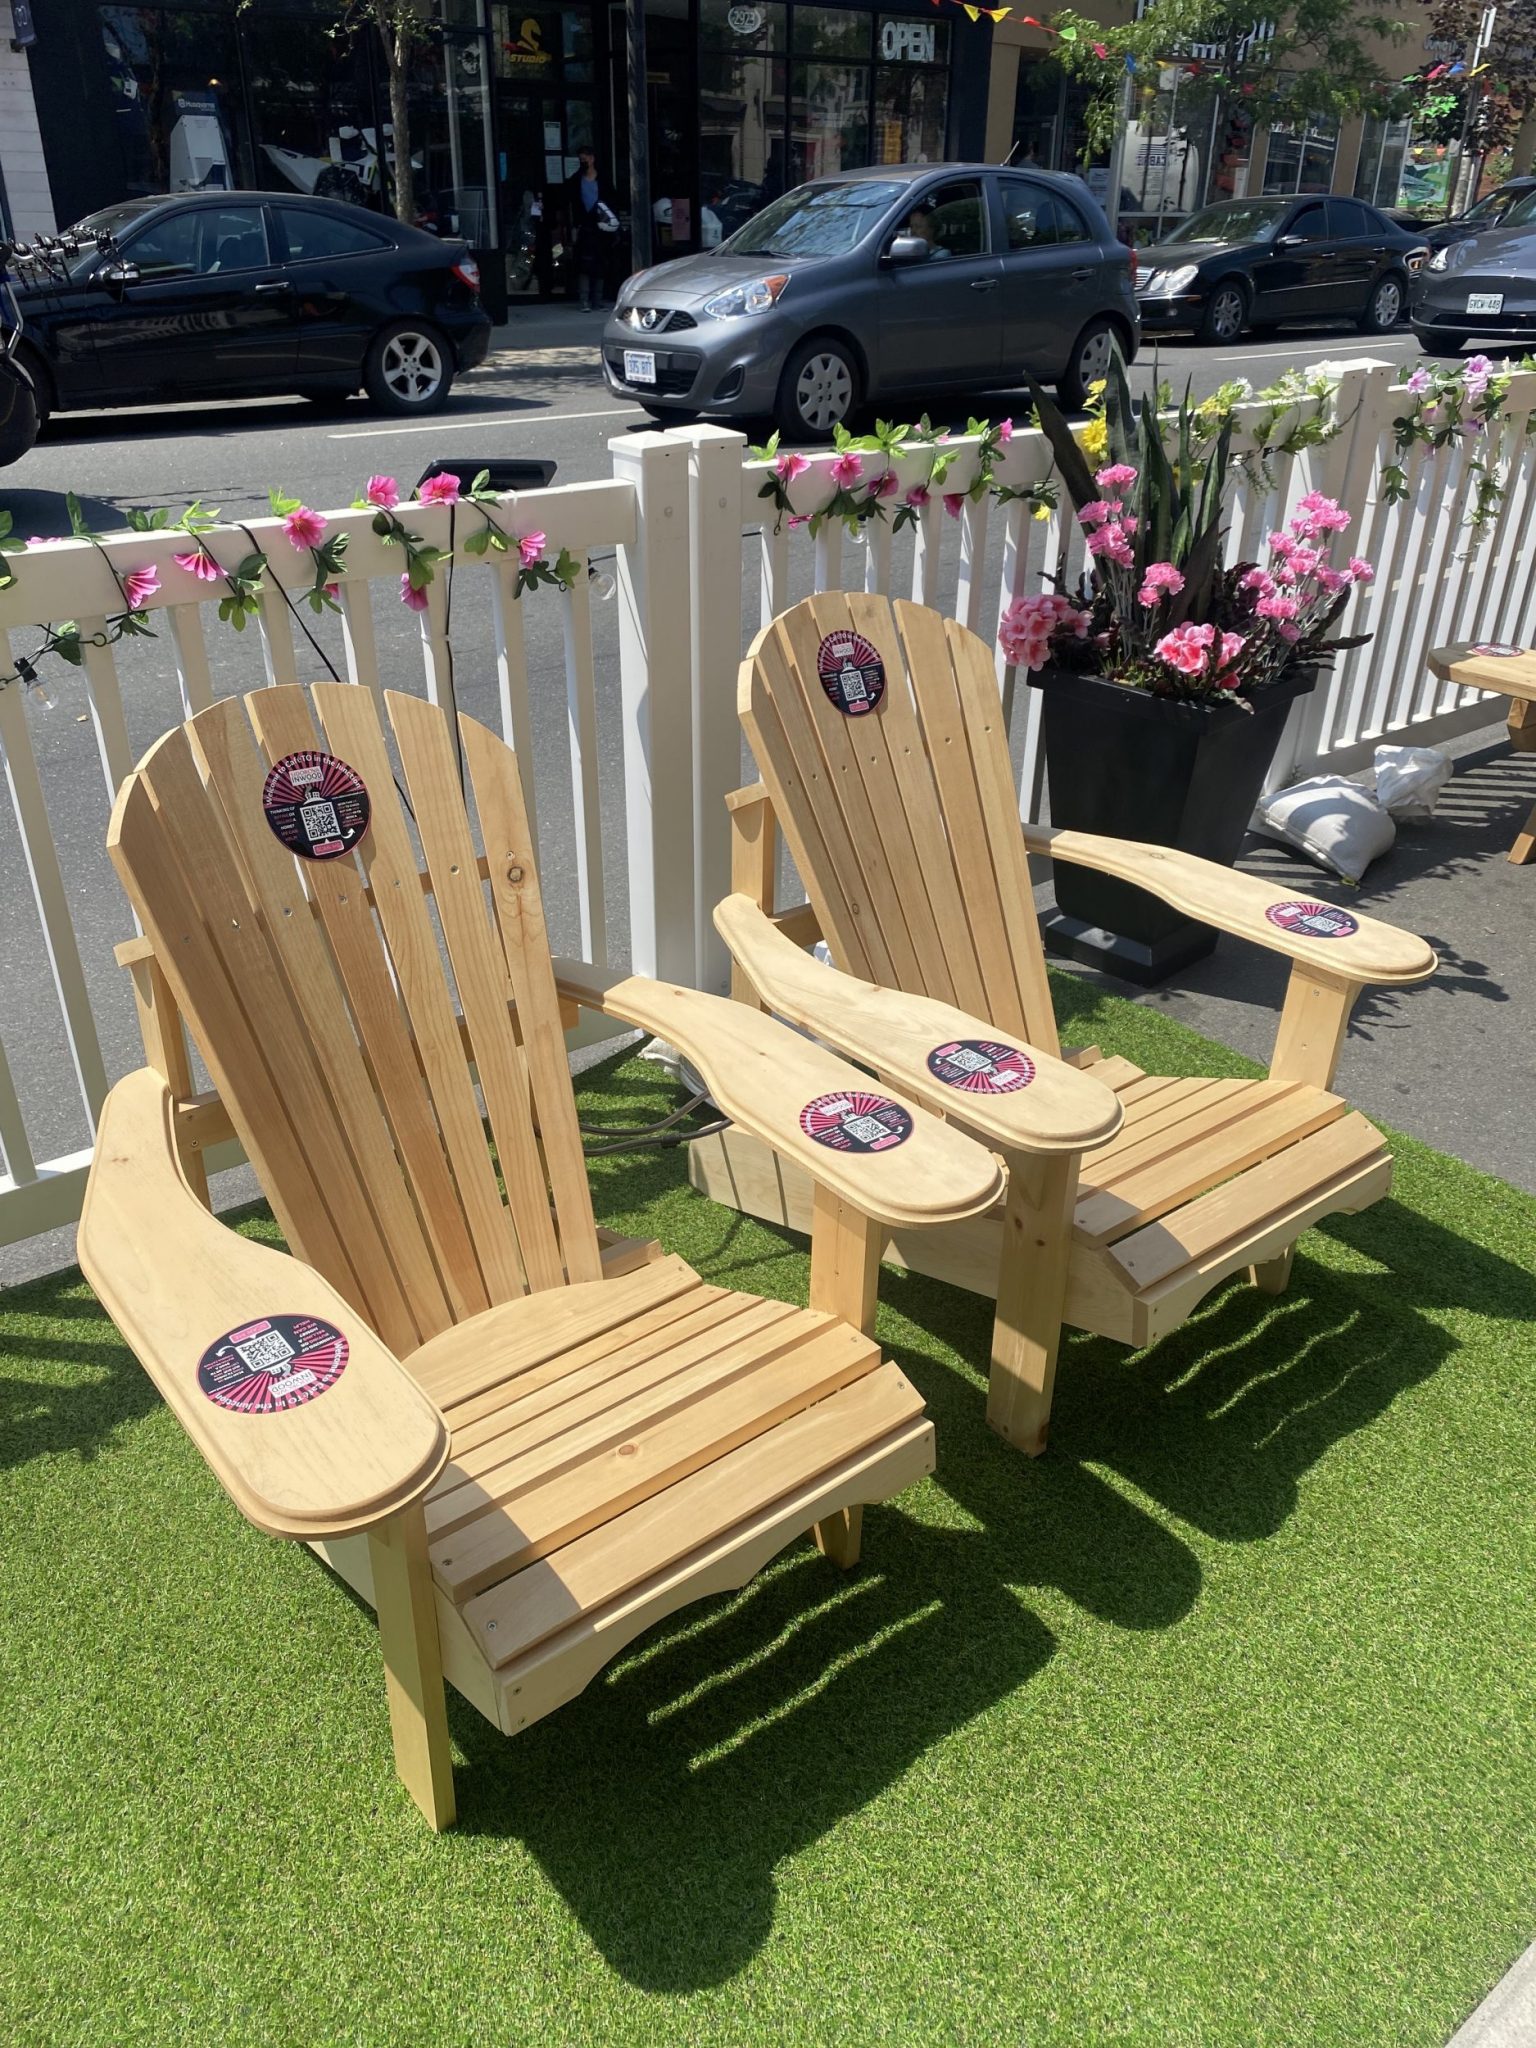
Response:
column 1441, row 258
column 754, row 297
column 1163, row 284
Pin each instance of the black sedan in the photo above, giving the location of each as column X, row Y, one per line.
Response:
column 217, row 295
column 1253, row 263
column 1485, row 286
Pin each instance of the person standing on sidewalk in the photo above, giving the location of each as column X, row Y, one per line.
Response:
column 593, row 225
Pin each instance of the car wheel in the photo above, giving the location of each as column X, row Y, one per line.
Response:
column 42, row 382
column 1088, row 364
column 19, row 415
column 818, row 390
column 1384, row 308
column 1225, row 315
column 408, row 368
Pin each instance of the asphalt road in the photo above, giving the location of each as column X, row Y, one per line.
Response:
column 540, row 394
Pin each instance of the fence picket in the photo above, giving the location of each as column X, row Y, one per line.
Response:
column 358, row 646
column 105, row 697
column 40, row 854
column 581, row 728
column 192, row 671
column 512, row 679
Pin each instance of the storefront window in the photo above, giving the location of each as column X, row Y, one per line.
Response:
column 1383, row 152
column 830, row 127
column 311, row 110
column 911, row 90
column 832, row 32
column 450, row 125
column 172, row 81
column 1301, row 159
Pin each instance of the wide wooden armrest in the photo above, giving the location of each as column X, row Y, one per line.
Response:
column 175, row 1281
column 1512, row 675
column 1042, row 1104
column 1366, row 951
column 767, row 1078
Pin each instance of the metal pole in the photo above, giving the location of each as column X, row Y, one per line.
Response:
column 639, row 138
column 1173, row 109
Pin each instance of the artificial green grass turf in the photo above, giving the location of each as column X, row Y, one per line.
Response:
column 1214, row 1726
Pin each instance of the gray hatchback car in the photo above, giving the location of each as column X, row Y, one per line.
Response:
column 872, row 285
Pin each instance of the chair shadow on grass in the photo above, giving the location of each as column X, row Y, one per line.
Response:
column 90, row 1383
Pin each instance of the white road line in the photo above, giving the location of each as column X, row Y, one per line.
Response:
column 500, row 419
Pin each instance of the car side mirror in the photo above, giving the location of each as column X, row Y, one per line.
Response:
column 908, row 249
column 117, row 276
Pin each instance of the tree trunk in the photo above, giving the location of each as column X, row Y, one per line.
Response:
column 398, row 160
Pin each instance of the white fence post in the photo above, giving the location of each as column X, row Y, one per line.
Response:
column 715, row 519
column 656, row 689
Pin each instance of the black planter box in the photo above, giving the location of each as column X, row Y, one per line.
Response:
column 1133, row 766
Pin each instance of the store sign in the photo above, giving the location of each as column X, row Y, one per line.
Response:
column 907, row 41
column 525, row 53
column 745, row 21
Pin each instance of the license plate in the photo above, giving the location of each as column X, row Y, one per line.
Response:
column 640, row 366
column 1485, row 302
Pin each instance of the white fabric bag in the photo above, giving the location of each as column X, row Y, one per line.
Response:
column 1333, row 821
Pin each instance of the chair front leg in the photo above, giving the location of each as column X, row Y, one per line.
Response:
column 1313, row 1025
column 406, row 1605
column 1031, row 1294
column 845, row 1276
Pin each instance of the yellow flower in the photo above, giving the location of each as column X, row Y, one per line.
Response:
column 1093, row 440
column 1042, row 511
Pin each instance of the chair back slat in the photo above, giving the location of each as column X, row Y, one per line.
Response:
column 351, row 724
column 236, row 771
column 320, row 993
column 902, row 819
column 168, row 842
column 507, row 831
column 479, row 969
column 284, row 726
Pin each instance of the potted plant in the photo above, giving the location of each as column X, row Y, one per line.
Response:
column 1167, row 677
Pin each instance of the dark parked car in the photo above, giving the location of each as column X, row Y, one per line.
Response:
column 1253, row 263
column 1485, row 286
column 1493, row 212
column 910, row 279
column 237, row 294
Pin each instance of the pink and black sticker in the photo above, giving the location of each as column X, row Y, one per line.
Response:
column 852, row 673
column 1313, row 920
column 274, row 1363
column 856, row 1122
column 982, row 1066
column 316, row 804
column 1501, row 648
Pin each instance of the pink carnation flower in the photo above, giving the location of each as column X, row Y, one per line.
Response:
column 789, row 465
column 139, row 585
column 1110, row 541
column 439, row 490
column 1259, row 580
column 1282, row 544
column 530, row 549
column 1288, row 632
column 413, row 600
column 1187, row 648
column 1318, row 514
column 305, row 529
column 1277, row 607
column 1116, row 477
column 847, row 469
column 382, row 491
column 1361, row 569
column 1231, row 646
column 198, row 564
column 1161, row 578
column 1095, row 512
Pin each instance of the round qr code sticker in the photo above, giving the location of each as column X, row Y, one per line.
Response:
column 1313, row 920
column 1500, row 648
column 277, row 1362
column 856, row 1122
column 982, row 1066
column 316, row 804
column 852, row 673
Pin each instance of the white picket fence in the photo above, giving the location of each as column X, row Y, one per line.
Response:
column 635, row 856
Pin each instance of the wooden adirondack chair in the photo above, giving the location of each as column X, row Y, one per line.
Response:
column 520, row 1446
column 904, row 825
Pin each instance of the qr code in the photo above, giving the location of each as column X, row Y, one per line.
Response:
column 967, row 1061
column 270, row 1352
column 319, row 820
column 866, row 1128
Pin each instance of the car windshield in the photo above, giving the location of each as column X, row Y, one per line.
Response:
column 111, row 220
column 815, row 220
column 1490, row 211
column 1522, row 212
column 1238, row 220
